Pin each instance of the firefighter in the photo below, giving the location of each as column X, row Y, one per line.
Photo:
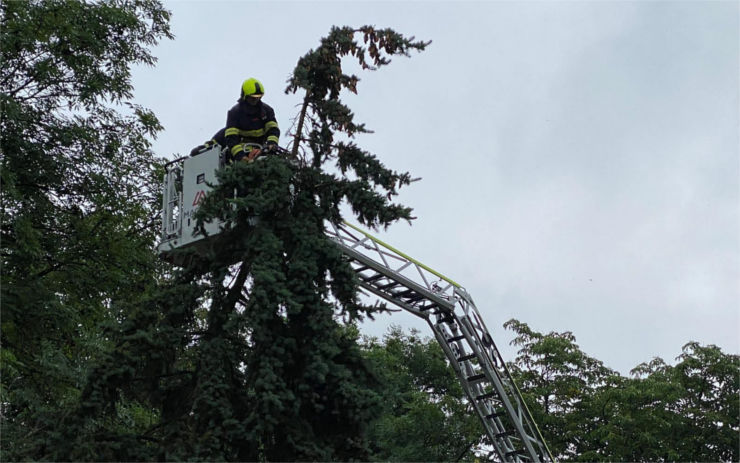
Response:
column 218, row 139
column 251, row 121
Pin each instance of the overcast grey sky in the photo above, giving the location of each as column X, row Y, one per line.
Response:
column 580, row 160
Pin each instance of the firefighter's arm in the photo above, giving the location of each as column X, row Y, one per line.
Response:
column 231, row 133
column 272, row 131
column 220, row 137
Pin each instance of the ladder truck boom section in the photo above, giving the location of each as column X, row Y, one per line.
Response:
column 390, row 274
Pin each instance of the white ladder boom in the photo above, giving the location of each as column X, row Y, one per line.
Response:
column 458, row 327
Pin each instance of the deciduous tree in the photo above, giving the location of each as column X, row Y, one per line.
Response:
column 587, row 412
column 426, row 416
column 79, row 184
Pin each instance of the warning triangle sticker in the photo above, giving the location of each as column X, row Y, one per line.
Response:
column 199, row 197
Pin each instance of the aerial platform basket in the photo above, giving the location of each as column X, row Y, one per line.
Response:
column 187, row 180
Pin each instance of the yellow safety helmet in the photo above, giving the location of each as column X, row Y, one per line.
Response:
column 252, row 87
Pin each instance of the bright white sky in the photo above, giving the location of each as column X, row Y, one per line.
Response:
column 580, row 160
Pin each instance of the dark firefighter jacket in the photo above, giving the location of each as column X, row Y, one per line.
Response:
column 218, row 138
column 250, row 124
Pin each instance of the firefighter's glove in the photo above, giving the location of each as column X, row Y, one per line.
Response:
column 197, row 150
column 240, row 155
column 270, row 147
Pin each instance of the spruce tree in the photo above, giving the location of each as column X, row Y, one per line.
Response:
column 307, row 393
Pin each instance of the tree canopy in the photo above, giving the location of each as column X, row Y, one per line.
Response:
column 251, row 351
column 588, row 412
column 426, row 416
column 79, row 189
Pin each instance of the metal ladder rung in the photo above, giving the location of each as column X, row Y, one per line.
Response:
column 466, row 357
column 389, row 285
column 496, row 414
column 505, row 434
column 406, row 293
column 515, row 452
column 456, row 338
column 487, row 395
column 475, row 378
column 373, row 278
column 446, row 319
column 415, row 298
